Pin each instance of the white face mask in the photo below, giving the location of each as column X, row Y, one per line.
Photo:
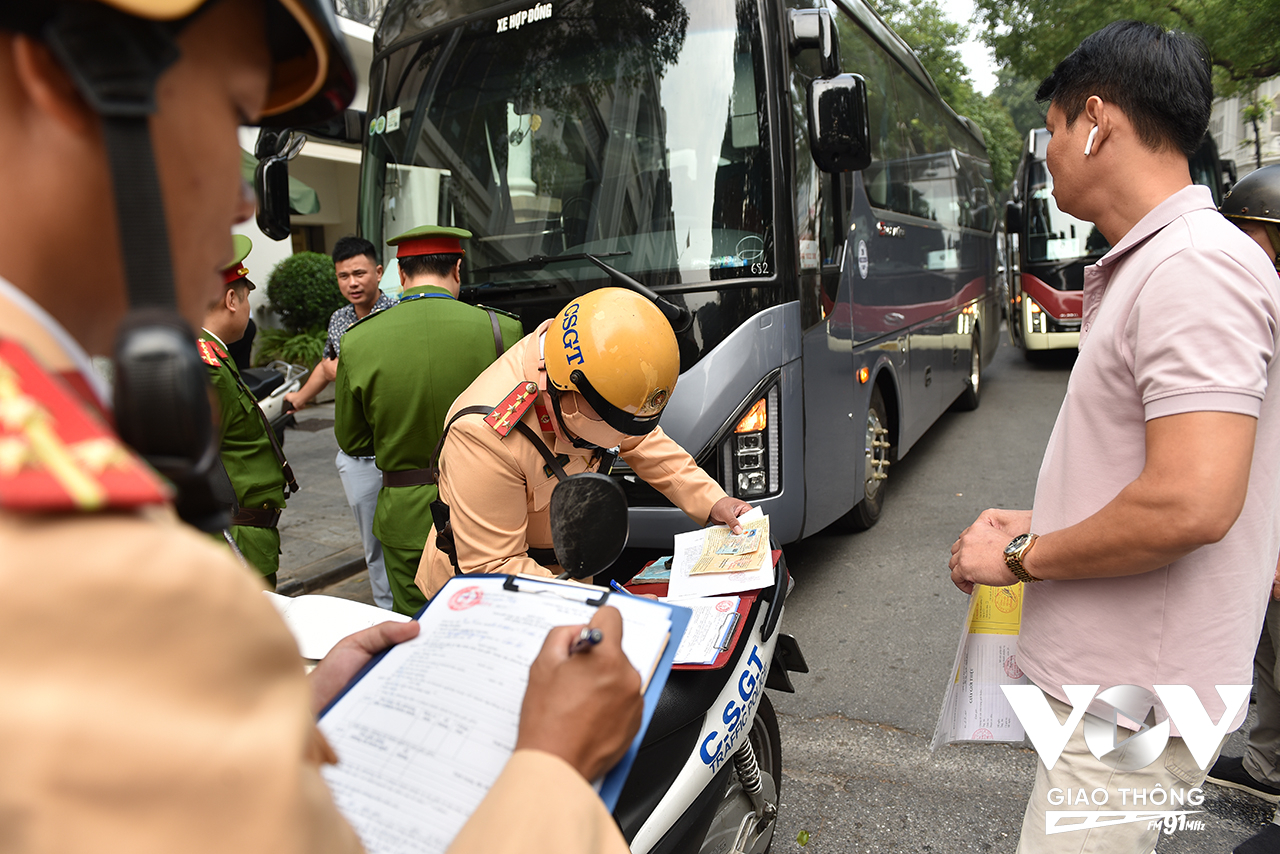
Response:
column 577, row 422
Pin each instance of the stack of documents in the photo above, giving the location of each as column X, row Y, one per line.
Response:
column 711, row 625
column 713, row 562
column 424, row 732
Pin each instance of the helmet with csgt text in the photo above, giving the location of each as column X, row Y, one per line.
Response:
column 616, row 349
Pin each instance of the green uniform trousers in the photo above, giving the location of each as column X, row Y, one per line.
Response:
column 402, row 568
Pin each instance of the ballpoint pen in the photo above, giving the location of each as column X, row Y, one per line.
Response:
column 587, row 638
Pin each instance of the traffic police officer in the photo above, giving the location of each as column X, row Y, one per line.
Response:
column 153, row 700
column 251, row 454
column 1254, row 205
column 400, row 370
column 594, row 378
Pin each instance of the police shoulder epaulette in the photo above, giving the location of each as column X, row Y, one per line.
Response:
column 56, row 455
column 498, row 311
column 209, row 353
column 505, row 415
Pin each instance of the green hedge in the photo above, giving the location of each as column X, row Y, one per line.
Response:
column 303, row 290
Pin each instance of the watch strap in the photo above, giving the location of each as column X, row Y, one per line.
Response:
column 1014, row 561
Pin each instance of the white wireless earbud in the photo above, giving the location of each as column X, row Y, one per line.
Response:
column 1088, row 144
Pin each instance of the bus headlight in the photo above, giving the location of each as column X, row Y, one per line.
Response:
column 750, row 454
column 1038, row 316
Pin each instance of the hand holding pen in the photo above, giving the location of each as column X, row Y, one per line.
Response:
column 583, row 702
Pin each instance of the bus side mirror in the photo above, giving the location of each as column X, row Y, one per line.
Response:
column 1013, row 218
column 839, row 126
column 814, row 29
column 271, row 180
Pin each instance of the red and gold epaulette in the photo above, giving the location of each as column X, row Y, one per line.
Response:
column 504, row 416
column 55, row 454
column 210, row 351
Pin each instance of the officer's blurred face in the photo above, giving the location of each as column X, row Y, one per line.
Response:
column 220, row 83
column 1258, row 232
column 53, row 158
column 358, row 280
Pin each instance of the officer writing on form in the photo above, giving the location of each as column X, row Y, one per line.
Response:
column 153, row 701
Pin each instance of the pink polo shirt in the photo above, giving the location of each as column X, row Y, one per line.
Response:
column 1180, row 316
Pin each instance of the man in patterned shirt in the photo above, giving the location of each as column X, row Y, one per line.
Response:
column 358, row 275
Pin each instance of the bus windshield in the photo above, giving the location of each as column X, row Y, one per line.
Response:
column 1052, row 235
column 594, row 126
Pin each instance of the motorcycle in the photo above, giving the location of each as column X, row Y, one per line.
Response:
column 269, row 385
column 709, row 770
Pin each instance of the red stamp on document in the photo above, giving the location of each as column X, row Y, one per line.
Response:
column 465, row 598
column 724, row 606
column 1011, row 668
column 982, row 734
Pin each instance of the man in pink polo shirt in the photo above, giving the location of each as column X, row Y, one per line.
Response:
column 1151, row 546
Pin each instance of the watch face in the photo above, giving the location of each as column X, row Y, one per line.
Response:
column 1018, row 542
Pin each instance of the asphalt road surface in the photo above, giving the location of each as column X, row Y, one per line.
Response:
column 878, row 620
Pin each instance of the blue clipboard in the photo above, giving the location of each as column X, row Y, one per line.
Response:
column 611, row 786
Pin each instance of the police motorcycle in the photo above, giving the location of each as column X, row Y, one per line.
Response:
column 709, row 770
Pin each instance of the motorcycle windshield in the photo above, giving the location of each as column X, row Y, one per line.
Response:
column 637, row 131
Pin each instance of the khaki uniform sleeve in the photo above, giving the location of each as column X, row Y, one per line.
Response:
column 153, row 702
column 570, row 819
column 668, row 468
column 486, row 491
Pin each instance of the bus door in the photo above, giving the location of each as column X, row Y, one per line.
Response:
column 831, row 428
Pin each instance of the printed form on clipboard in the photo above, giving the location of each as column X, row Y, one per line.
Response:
column 696, row 550
column 424, row 731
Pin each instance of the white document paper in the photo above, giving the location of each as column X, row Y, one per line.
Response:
column 424, row 735
column 713, row 619
column 318, row 622
column 688, row 548
column 973, row 706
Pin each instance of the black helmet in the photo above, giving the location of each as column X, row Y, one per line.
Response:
column 1255, row 197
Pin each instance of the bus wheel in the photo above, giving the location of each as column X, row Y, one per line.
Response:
column 972, row 394
column 878, row 455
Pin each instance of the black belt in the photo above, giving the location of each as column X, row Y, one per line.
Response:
column 410, row 477
column 248, row 517
column 545, row 557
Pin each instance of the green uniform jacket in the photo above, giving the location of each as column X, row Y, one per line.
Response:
column 400, row 371
column 246, row 451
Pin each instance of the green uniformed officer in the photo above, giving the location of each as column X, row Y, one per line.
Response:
column 400, row 371
column 252, row 457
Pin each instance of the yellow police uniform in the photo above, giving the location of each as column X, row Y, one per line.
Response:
column 498, row 488
column 153, row 701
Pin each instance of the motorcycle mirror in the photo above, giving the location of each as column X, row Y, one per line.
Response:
column 588, row 523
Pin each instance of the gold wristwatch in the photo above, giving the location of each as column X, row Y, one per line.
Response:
column 1015, row 552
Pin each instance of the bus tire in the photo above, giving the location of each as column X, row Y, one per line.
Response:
column 878, row 455
column 972, row 394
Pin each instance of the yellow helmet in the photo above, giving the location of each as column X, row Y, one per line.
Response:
column 616, row 349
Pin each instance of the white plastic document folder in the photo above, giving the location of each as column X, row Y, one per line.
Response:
column 422, row 734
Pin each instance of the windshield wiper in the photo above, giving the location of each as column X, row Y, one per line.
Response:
column 678, row 316
column 538, row 262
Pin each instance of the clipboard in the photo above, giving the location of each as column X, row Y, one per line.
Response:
column 450, row 606
column 746, row 599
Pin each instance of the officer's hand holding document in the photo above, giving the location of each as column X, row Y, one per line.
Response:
column 714, row 562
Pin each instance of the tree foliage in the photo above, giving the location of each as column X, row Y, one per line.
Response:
column 936, row 41
column 1032, row 36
